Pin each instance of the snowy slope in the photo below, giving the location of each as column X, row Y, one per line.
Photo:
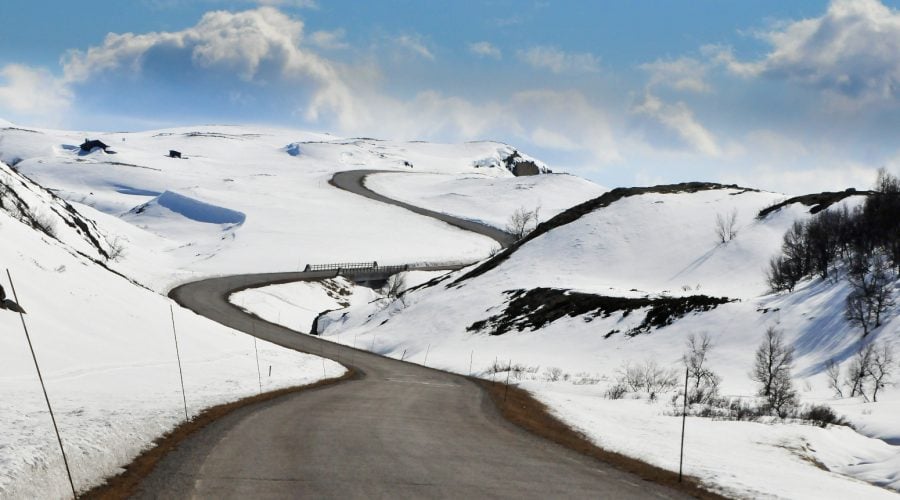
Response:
column 486, row 198
column 108, row 358
column 657, row 244
column 240, row 189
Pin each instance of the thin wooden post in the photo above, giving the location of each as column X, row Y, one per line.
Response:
column 178, row 356
column 683, row 421
column 43, row 388
column 472, row 355
column 425, row 363
column 258, row 374
column 508, row 370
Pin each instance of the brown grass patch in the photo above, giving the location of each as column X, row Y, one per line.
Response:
column 125, row 484
column 521, row 408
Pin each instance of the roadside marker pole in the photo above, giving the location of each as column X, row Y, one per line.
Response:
column 508, row 370
column 178, row 355
column 425, row 363
column 258, row 374
column 683, row 420
column 43, row 388
column 402, row 356
column 472, row 355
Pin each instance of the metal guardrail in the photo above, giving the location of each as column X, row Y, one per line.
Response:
column 358, row 268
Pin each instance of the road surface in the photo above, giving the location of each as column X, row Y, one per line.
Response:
column 400, row 430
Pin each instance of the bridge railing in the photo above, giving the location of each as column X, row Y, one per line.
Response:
column 358, row 268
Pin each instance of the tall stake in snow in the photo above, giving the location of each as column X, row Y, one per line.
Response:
column 258, row 374
column 425, row 363
column 178, row 356
column 508, row 369
column 683, row 421
column 43, row 388
column 472, row 355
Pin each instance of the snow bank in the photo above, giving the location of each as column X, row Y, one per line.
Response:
column 108, row 358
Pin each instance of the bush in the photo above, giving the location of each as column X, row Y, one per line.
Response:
column 616, row 391
column 821, row 415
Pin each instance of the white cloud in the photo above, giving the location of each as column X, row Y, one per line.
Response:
column 679, row 119
column 558, row 61
column 851, row 51
column 305, row 4
column 32, row 93
column 246, row 43
column 414, row 44
column 685, row 73
column 485, row 49
column 329, row 40
column 794, row 181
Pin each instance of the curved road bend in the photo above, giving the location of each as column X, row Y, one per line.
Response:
column 354, row 181
column 399, row 431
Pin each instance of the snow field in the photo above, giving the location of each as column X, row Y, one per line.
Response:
column 107, row 354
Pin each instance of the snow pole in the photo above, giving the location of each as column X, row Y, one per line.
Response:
column 471, row 356
column 683, row 421
column 425, row 362
column 508, row 369
column 178, row 356
column 43, row 388
column 258, row 374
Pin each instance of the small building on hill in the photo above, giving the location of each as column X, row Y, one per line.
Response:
column 174, row 154
column 90, row 144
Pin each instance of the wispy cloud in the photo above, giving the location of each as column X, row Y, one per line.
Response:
column 558, row 61
column 329, row 40
column 415, row 45
column 684, row 73
column 678, row 118
column 485, row 49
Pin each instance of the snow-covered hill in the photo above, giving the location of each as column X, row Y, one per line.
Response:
column 106, row 350
column 586, row 293
column 115, row 222
column 237, row 189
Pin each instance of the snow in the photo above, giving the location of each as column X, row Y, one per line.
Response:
column 239, row 189
column 241, row 200
column 484, row 198
column 655, row 245
column 258, row 200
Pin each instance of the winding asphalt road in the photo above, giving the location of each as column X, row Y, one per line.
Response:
column 399, row 431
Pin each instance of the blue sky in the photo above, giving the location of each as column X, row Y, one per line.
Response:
column 790, row 96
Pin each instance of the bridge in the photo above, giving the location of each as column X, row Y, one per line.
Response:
column 371, row 273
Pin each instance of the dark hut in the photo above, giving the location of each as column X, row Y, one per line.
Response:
column 90, row 144
column 174, row 154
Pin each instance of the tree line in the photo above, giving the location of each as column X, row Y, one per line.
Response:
column 863, row 242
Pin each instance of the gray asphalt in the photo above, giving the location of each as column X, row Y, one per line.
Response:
column 354, row 181
column 399, row 431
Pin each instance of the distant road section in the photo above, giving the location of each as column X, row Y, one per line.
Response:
column 399, row 431
column 354, row 181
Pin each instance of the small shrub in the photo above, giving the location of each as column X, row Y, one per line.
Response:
column 821, row 415
column 616, row 391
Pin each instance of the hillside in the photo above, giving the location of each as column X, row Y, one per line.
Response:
column 238, row 189
column 626, row 282
column 106, row 351
column 93, row 239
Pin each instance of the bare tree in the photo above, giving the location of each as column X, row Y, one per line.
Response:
column 116, row 249
column 871, row 280
column 881, row 368
column 523, row 221
column 726, row 226
column 395, row 286
column 705, row 383
column 858, row 372
column 833, row 372
column 772, row 370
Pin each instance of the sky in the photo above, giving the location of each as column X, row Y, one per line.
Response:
column 793, row 97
